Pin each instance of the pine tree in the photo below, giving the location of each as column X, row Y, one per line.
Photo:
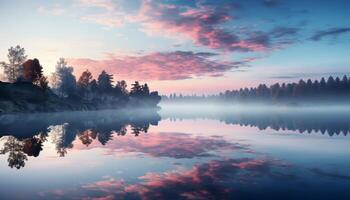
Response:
column 84, row 79
column 104, row 82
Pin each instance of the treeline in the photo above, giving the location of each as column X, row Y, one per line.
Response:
column 66, row 86
column 100, row 90
column 332, row 89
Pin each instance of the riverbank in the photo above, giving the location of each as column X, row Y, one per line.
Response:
column 29, row 98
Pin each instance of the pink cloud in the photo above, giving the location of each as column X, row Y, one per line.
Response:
column 216, row 179
column 109, row 5
column 200, row 24
column 157, row 66
column 174, row 145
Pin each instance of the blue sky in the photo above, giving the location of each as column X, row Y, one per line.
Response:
column 202, row 46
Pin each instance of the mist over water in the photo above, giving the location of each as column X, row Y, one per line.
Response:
column 182, row 151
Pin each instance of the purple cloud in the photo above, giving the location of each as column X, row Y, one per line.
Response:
column 173, row 145
column 271, row 3
column 216, row 179
column 329, row 32
column 158, row 66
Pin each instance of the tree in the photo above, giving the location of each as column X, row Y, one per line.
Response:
column 93, row 86
column 345, row 82
column 136, row 89
column 122, row 86
column 44, row 83
column 84, row 83
column 330, row 82
column 104, row 82
column 323, row 86
column 84, row 79
column 316, row 88
column 13, row 69
column 64, row 82
column 32, row 71
column 145, row 90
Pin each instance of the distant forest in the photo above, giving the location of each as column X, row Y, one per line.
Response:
column 330, row 90
column 27, row 85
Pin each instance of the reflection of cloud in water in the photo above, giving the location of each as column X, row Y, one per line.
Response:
column 174, row 145
column 334, row 175
column 217, row 179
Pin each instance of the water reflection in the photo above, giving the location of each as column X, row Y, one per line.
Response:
column 332, row 122
column 135, row 155
column 24, row 135
column 217, row 179
column 27, row 125
column 171, row 145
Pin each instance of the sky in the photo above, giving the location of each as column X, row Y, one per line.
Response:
column 184, row 46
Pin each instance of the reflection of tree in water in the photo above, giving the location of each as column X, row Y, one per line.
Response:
column 16, row 156
column 33, row 146
column 63, row 130
column 104, row 137
column 138, row 130
column 86, row 137
column 122, row 131
column 139, row 127
column 19, row 150
column 62, row 137
column 332, row 125
column 332, row 122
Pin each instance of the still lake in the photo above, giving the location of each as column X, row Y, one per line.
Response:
column 177, row 152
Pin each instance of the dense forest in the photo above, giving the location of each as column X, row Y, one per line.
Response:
column 28, row 89
column 318, row 91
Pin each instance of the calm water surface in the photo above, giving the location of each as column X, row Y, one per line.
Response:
column 177, row 154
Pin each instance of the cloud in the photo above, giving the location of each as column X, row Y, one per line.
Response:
column 334, row 175
column 107, row 19
column 54, row 10
column 201, row 24
column 173, row 145
column 271, row 3
column 110, row 18
column 329, row 32
column 205, row 23
column 285, row 77
column 109, row 5
column 157, row 66
column 216, row 179
column 281, row 31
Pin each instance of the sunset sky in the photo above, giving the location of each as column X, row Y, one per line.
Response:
column 187, row 46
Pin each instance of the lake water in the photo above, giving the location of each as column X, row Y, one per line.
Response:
column 177, row 153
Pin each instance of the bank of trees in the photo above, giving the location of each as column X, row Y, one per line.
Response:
column 19, row 69
column 102, row 89
column 84, row 89
column 330, row 89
